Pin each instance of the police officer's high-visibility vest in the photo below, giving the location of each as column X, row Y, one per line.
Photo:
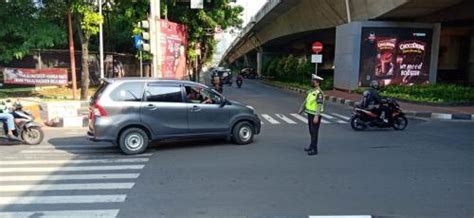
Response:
column 314, row 100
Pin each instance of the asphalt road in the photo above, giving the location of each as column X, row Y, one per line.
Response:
column 426, row 170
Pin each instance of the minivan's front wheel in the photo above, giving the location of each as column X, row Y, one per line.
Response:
column 133, row 141
column 243, row 133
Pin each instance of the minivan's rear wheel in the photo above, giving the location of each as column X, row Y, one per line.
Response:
column 133, row 141
column 243, row 133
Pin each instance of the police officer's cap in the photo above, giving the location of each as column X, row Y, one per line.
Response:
column 316, row 77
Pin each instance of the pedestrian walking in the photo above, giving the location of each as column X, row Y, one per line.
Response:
column 313, row 106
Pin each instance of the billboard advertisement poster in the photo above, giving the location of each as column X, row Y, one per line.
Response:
column 37, row 77
column 173, row 45
column 395, row 56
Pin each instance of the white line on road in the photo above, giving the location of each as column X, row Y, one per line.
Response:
column 299, row 117
column 76, row 199
column 286, row 119
column 341, row 116
column 61, row 168
column 62, row 187
column 324, row 121
column 341, row 121
column 49, row 151
column 69, row 177
column 91, row 155
column 90, row 161
column 270, row 119
column 62, row 213
column 71, row 146
column 327, row 116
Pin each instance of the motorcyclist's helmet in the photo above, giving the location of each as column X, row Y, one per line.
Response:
column 18, row 106
column 375, row 84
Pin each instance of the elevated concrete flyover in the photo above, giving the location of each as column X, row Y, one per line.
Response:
column 289, row 25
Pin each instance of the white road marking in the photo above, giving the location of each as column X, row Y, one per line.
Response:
column 343, row 216
column 62, row 213
column 327, row 116
column 49, row 151
column 76, row 199
column 90, row 161
column 286, row 119
column 62, row 187
column 301, row 118
column 324, row 121
column 91, row 155
column 61, row 168
column 70, row 146
column 69, row 177
column 270, row 119
column 341, row 116
column 342, row 121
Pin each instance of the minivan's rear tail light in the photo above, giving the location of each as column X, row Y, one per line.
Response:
column 98, row 110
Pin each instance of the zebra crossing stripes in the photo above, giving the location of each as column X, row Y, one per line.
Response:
column 294, row 118
column 301, row 118
column 64, row 213
column 286, row 119
column 270, row 119
column 35, row 183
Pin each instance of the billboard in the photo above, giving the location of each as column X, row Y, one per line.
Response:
column 398, row 56
column 37, row 77
column 173, row 46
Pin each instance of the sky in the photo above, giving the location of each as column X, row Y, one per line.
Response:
column 251, row 7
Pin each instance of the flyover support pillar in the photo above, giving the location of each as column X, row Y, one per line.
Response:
column 259, row 63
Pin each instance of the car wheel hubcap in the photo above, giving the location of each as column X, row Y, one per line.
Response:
column 245, row 133
column 134, row 142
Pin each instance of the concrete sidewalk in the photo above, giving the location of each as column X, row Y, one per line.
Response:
column 412, row 109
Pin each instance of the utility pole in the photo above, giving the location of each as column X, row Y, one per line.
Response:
column 101, row 43
column 155, row 39
column 71, row 54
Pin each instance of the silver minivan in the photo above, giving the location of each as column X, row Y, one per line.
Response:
column 133, row 112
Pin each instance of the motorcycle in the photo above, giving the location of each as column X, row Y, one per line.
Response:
column 26, row 129
column 227, row 79
column 239, row 81
column 362, row 118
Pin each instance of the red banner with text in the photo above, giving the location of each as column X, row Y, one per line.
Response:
column 38, row 77
column 173, row 46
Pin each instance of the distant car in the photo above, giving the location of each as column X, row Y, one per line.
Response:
column 133, row 112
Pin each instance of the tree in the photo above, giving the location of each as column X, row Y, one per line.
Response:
column 87, row 24
column 24, row 28
column 201, row 25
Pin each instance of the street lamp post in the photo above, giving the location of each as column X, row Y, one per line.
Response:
column 101, row 43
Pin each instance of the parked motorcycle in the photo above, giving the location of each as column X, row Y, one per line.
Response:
column 362, row 118
column 26, row 129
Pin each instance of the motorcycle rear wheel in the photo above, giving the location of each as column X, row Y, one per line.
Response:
column 357, row 124
column 400, row 122
column 33, row 135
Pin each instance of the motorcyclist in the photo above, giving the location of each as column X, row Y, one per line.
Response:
column 9, row 121
column 240, row 79
column 372, row 100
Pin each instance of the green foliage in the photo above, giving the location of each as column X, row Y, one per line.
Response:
column 295, row 72
column 434, row 93
column 89, row 18
column 24, row 28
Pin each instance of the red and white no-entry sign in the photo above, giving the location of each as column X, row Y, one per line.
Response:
column 317, row 47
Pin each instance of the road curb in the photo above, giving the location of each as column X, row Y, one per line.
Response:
column 347, row 102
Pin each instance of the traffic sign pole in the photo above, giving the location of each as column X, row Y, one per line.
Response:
column 317, row 48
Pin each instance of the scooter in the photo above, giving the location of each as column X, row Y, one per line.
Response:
column 362, row 118
column 26, row 129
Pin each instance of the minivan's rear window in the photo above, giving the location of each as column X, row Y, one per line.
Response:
column 130, row 91
column 99, row 91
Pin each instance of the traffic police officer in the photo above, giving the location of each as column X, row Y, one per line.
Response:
column 313, row 106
